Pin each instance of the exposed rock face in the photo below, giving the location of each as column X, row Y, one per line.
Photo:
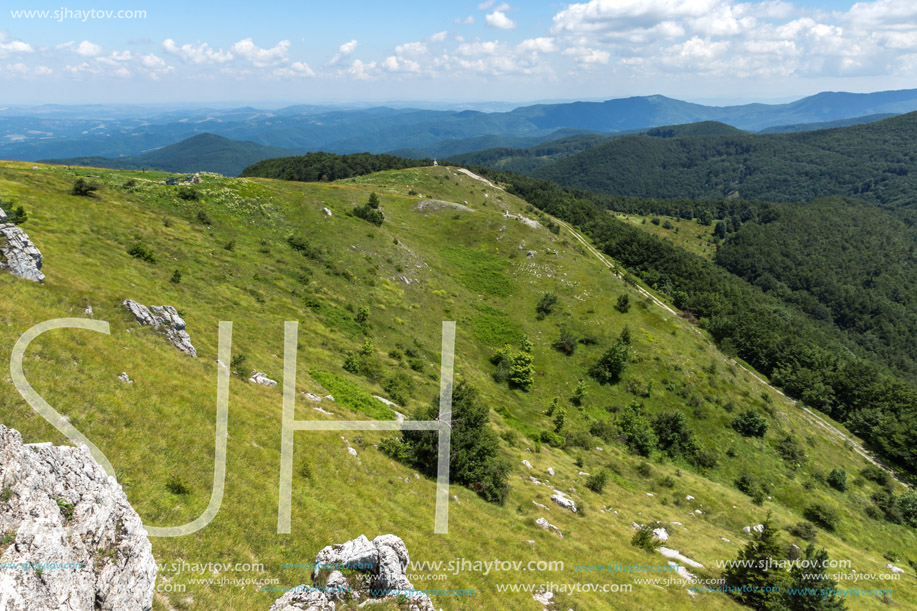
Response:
column 17, row 253
column 64, row 510
column 377, row 572
column 548, row 527
column 165, row 317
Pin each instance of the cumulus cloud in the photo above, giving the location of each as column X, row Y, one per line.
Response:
column 343, row 51
column 196, row 54
column 14, row 47
column 498, row 19
column 739, row 38
column 259, row 57
column 465, row 20
column 88, row 49
column 541, row 45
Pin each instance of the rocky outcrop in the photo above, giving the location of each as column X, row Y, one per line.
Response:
column 375, row 570
column 259, row 378
column 77, row 543
column 17, row 253
column 165, row 318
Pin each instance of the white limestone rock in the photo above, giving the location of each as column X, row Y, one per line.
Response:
column 65, row 509
column 17, row 253
column 259, row 378
column 548, row 527
column 165, row 318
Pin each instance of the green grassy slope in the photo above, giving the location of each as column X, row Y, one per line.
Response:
column 471, row 267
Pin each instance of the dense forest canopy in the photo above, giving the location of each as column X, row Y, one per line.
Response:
column 316, row 167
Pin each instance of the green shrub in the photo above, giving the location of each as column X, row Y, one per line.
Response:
column 673, row 435
column 176, row 277
column 623, row 304
column 645, row 539
column 545, row 305
column 82, row 188
column 566, row 342
column 475, row 461
column 139, row 251
column 837, row 479
column 370, row 214
column 822, row 515
column 597, row 481
column 750, row 424
column 752, row 487
column 203, row 218
column 611, row 365
column 176, row 485
column 804, row 530
column 790, row 450
column 637, row 430
column 16, row 216
column 603, row 429
column 188, row 194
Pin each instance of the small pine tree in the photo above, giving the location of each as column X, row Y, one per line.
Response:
column 373, row 201
column 176, row 277
column 625, row 335
column 623, row 304
column 810, row 590
column 756, row 579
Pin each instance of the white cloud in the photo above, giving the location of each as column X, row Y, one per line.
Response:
column 411, row 48
column 439, row 36
column 20, row 69
column 541, row 45
column 343, row 51
column 486, row 5
column 14, row 47
column 465, row 20
column 293, row 70
column 196, row 54
column 587, row 56
column 498, row 19
column 360, row 70
column 259, row 57
column 88, row 49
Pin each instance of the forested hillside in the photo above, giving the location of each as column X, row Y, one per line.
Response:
column 873, row 162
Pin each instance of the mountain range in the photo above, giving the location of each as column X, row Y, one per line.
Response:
column 61, row 132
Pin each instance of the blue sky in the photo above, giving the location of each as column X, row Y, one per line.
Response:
column 273, row 53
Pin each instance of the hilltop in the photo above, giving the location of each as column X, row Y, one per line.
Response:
column 201, row 153
column 370, row 300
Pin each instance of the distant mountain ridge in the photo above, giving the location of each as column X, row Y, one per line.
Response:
column 377, row 130
column 201, row 153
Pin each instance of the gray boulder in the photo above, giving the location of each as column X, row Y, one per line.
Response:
column 72, row 521
column 17, row 253
column 376, row 572
column 166, row 318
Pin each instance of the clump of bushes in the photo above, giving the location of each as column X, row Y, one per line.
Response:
column 139, row 251
column 83, row 188
column 750, row 424
column 370, row 211
column 822, row 515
